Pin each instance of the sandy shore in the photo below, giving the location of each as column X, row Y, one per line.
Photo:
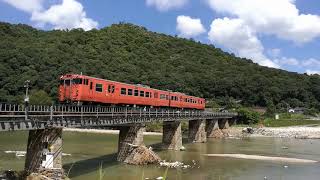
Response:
column 105, row 131
column 264, row 158
column 281, row 132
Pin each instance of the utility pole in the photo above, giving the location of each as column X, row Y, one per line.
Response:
column 26, row 98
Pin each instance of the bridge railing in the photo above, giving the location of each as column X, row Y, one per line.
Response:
column 63, row 111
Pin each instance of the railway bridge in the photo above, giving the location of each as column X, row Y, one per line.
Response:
column 45, row 125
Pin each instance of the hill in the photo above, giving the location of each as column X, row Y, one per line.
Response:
column 132, row 54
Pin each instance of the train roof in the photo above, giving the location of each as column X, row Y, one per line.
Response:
column 139, row 85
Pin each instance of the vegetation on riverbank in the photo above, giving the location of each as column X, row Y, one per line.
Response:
column 287, row 119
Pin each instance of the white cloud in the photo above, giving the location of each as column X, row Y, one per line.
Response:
column 310, row 72
column 277, row 17
column 26, row 5
column 189, row 27
column 70, row 14
column 67, row 15
column 164, row 5
column 235, row 35
column 287, row 61
column 246, row 20
column 311, row 63
column 276, row 52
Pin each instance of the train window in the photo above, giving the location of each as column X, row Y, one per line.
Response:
column 67, row 82
column 167, row 97
column 155, row 95
column 90, row 85
column 150, row 94
column 130, row 92
column 123, row 91
column 147, row 94
column 85, row 81
column 162, row 96
column 141, row 93
column 136, row 92
column 99, row 87
column 77, row 81
column 172, row 97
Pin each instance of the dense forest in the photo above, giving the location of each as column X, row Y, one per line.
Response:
column 132, row 54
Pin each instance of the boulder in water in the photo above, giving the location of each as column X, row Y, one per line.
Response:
column 142, row 155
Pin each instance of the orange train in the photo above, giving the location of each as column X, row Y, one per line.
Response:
column 86, row 89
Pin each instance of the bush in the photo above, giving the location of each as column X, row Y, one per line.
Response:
column 248, row 116
column 311, row 112
column 40, row 97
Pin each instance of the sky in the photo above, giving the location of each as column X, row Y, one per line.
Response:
column 281, row 34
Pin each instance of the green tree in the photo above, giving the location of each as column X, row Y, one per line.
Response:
column 247, row 116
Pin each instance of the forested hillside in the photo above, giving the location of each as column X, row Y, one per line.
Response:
column 128, row 53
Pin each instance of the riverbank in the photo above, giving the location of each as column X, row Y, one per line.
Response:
column 279, row 132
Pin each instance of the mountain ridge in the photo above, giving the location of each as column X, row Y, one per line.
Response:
column 132, row 54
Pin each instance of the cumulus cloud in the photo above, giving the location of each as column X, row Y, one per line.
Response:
column 70, row 14
column 67, row 15
column 246, row 20
column 235, row 35
column 164, row 5
column 189, row 27
column 277, row 17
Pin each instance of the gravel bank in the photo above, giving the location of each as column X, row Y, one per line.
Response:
column 281, row 132
column 290, row 132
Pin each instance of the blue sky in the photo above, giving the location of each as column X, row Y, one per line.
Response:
column 276, row 33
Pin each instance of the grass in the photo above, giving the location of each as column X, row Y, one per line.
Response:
column 101, row 172
column 287, row 119
column 288, row 122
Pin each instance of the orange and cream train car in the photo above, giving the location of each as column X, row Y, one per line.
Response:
column 86, row 89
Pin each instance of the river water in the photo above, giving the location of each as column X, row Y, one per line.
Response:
column 90, row 151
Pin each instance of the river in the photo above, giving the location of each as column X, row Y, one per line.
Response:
column 89, row 151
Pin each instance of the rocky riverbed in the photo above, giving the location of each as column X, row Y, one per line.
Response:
column 281, row 132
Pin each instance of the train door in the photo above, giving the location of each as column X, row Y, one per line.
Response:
column 110, row 94
column 67, row 89
column 91, row 90
column 156, row 98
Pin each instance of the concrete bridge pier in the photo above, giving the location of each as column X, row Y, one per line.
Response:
column 172, row 136
column 129, row 137
column 44, row 152
column 212, row 128
column 197, row 131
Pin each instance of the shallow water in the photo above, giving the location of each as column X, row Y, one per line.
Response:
column 89, row 151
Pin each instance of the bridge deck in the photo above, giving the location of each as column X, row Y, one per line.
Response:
column 19, row 117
